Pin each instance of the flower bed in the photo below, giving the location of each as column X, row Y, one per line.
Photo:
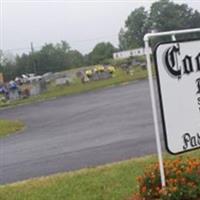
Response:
column 182, row 181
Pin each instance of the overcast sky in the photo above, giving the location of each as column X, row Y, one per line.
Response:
column 81, row 23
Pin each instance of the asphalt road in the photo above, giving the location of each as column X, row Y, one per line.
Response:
column 79, row 131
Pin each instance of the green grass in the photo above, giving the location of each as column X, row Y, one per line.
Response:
column 77, row 87
column 110, row 182
column 8, row 127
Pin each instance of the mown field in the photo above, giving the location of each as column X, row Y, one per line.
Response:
column 8, row 127
column 77, row 87
column 110, row 182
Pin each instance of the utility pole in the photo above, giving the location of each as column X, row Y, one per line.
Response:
column 32, row 48
column 33, row 60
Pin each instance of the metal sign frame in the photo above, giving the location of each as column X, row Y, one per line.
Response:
column 147, row 37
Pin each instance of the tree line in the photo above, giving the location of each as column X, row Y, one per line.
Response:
column 164, row 15
column 53, row 58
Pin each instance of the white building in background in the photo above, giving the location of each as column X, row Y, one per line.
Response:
column 129, row 53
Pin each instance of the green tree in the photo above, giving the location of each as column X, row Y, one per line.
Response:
column 164, row 15
column 101, row 52
column 52, row 57
column 76, row 59
column 123, row 40
column 23, row 65
column 167, row 15
column 136, row 26
column 1, row 58
column 7, row 65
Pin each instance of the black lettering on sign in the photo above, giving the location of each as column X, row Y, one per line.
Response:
column 189, row 64
column 171, row 61
column 191, row 141
column 198, row 93
column 198, row 85
column 198, row 62
column 198, row 101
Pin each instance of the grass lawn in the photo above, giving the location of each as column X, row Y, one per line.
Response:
column 7, row 127
column 110, row 182
column 77, row 87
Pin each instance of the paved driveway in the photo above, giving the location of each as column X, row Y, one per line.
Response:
column 83, row 130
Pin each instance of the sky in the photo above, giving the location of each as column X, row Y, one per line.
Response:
column 79, row 22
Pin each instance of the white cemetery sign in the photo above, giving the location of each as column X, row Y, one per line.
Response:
column 178, row 77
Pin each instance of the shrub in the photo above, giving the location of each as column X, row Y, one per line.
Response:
column 182, row 181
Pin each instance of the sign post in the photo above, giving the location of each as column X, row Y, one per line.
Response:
column 167, row 95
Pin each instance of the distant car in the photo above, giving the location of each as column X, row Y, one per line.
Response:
column 30, row 78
